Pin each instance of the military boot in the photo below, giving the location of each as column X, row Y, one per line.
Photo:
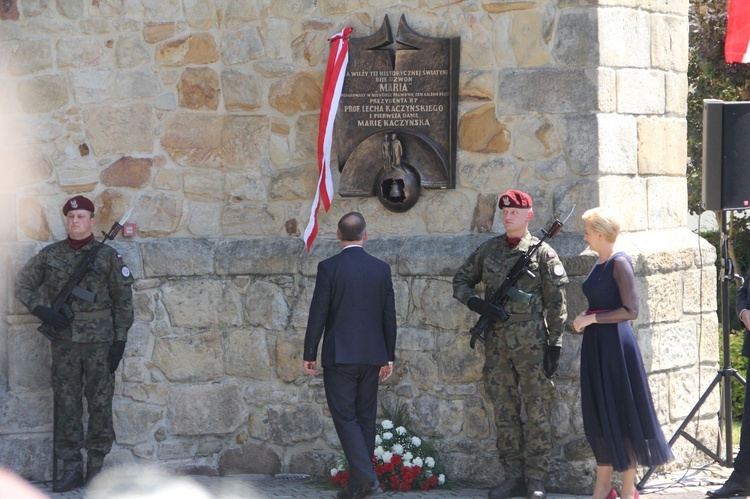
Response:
column 511, row 487
column 71, row 479
column 535, row 489
column 91, row 472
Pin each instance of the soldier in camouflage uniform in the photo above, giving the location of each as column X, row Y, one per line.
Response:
column 521, row 354
column 89, row 347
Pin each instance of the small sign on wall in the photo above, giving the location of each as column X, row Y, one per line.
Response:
column 129, row 229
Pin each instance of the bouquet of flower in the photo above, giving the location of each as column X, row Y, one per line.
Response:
column 402, row 461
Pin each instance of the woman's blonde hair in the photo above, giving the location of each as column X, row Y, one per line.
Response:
column 604, row 221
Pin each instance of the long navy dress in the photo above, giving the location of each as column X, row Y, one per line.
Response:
column 618, row 412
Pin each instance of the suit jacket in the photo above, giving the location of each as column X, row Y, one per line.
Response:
column 353, row 309
column 743, row 303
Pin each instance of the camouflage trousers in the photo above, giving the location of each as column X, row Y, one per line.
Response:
column 514, row 378
column 80, row 369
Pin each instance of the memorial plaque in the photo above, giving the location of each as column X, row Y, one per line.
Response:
column 396, row 121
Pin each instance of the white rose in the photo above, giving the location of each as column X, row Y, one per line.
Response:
column 416, row 441
column 408, row 456
column 378, row 440
column 387, row 435
column 401, row 430
column 387, row 424
column 418, row 461
column 334, row 471
column 387, row 457
column 430, row 462
column 379, row 451
column 441, row 479
column 397, row 449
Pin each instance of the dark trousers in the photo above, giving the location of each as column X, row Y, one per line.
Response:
column 742, row 461
column 352, row 394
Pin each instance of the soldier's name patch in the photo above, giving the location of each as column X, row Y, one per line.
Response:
column 126, row 271
column 558, row 270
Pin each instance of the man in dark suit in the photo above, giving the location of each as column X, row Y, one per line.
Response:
column 353, row 309
column 738, row 483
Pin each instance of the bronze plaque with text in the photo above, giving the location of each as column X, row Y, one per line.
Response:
column 397, row 112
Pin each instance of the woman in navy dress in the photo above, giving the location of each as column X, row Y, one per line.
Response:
column 618, row 413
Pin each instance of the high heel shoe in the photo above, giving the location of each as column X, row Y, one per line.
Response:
column 612, row 494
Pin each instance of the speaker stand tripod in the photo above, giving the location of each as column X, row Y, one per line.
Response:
column 725, row 374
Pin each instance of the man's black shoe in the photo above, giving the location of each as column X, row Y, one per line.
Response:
column 368, row 490
column 344, row 494
column 91, row 472
column 512, row 487
column 731, row 489
column 535, row 489
column 71, row 479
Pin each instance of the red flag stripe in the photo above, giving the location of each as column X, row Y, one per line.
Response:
column 332, row 85
column 738, row 32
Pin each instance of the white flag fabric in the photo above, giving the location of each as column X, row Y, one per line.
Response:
column 334, row 81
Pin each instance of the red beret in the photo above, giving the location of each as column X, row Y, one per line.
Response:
column 515, row 199
column 78, row 203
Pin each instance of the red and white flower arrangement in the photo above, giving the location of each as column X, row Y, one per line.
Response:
column 402, row 461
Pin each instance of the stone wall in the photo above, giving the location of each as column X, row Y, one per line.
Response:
column 202, row 116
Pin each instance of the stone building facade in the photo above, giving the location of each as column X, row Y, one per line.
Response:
column 202, row 116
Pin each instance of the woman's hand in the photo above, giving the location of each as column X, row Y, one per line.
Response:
column 582, row 321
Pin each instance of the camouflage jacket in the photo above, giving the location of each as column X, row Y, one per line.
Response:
column 109, row 316
column 490, row 264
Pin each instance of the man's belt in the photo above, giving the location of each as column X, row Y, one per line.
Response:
column 89, row 316
column 520, row 318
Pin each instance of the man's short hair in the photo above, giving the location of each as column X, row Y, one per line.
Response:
column 352, row 227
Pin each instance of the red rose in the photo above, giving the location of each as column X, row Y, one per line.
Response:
column 396, row 460
column 405, row 487
column 394, row 482
column 389, row 467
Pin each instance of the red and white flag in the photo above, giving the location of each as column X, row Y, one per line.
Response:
column 738, row 32
column 334, row 81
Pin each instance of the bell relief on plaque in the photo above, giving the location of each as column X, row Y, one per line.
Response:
column 396, row 121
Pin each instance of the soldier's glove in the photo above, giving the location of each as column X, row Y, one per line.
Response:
column 551, row 360
column 116, row 349
column 53, row 319
column 487, row 309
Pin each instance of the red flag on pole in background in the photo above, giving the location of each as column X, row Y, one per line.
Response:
column 738, row 32
column 334, row 80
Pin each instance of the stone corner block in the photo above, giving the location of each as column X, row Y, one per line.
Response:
column 437, row 255
column 178, row 257
column 266, row 256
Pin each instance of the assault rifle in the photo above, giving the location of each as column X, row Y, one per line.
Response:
column 507, row 289
column 61, row 304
